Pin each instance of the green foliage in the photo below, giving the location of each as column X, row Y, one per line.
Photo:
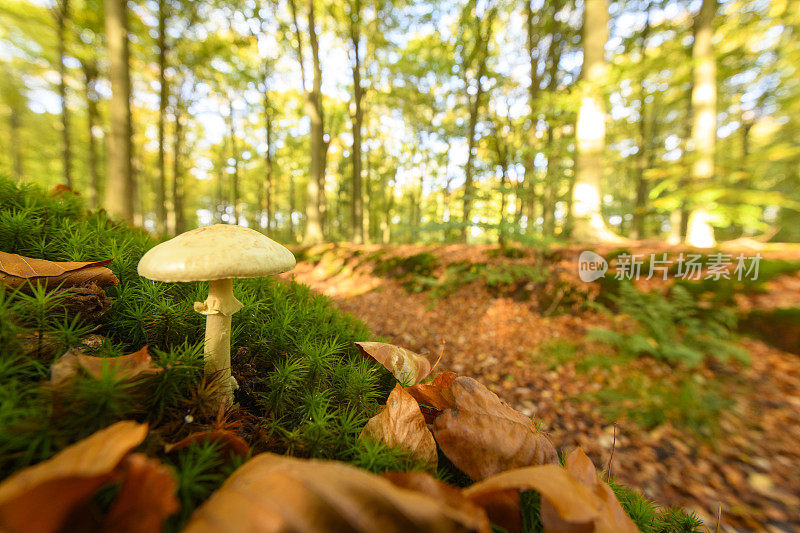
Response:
column 689, row 402
column 675, row 329
column 308, row 376
column 555, row 353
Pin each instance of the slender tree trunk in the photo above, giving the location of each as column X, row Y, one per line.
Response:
column 553, row 158
column 643, row 156
column 474, row 111
column 367, row 215
column 163, row 95
column 16, row 146
column 62, row 17
column 220, row 194
column 90, row 77
column 704, row 120
column 267, row 197
column 356, row 210
column 529, row 201
column 119, row 200
column 237, row 204
column 588, row 224
column 316, row 180
column 177, row 170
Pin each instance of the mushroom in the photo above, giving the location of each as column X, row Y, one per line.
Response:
column 217, row 254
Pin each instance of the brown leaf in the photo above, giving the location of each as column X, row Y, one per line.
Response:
column 436, row 392
column 573, row 501
column 401, row 424
column 39, row 498
column 611, row 518
column 17, row 270
column 146, row 499
column 229, row 441
column 451, row 496
column 122, row 367
column 408, row 367
column 483, row 436
column 277, row 493
column 90, row 301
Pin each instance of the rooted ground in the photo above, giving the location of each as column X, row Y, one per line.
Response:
column 742, row 466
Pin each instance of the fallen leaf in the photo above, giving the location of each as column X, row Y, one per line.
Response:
column 408, row 367
column 573, row 501
column 122, row 367
column 436, row 393
column 611, row 517
column 277, row 493
column 401, row 424
column 37, row 499
column 229, row 441
column 17, row 270
column 483, row 436
column 451, row 496
column 146, row 499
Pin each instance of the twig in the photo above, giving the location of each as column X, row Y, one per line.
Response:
column 719, row 518
column 611, row 457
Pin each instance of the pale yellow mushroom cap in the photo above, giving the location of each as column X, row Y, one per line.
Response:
column 221, row 251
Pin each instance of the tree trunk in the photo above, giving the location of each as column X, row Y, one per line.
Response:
column 163, row 95
column 62, row 16
column 90, row 77
column 177, row 170
column 588, row 224
column 119, row 200
column 16, row 146
column 367, row 214
column 643, row 156
column 316, row 180
column 267, row 197
column 553, row 157
column 704, row 120
column 237, row 204
column 529, row 183
column 474, row 110
column 356, row 210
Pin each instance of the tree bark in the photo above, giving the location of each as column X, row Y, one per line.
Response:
column 704, row 120
column 268, row 170
column 119, row 200
column 16, row 150
column 356, row 209
column 177, row 169
column 163, row 95
column 643, row 156
column 529, row 184
column 90, row 78
column 588, row 224
column 482, row 47
column 316, row 180
column 62, row 16
column 236, row 200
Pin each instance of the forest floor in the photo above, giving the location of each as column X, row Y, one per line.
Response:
column 722, row 440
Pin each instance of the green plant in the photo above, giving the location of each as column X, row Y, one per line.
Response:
column 555, row 353
column 675, row 329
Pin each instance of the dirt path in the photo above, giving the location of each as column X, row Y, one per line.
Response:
column 748, row 469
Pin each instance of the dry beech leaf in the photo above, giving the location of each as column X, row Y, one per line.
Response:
column 483, row 436
column 452, row 496
column 435, row 393
column 407, row 367
column 272, row 493
column 227, row 439
column 401, row 424
column 611, row 516
column 573, row 501
column 146, row 499
column 122, row 367
column 17, row 270
column 37, row 499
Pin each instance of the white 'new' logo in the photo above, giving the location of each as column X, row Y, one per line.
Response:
column 591, row 266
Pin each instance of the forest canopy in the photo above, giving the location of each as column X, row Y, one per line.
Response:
column 443, row 120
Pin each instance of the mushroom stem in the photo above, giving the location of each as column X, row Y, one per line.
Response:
column 220, row 305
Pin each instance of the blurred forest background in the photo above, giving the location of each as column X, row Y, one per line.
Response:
column 397, row 121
